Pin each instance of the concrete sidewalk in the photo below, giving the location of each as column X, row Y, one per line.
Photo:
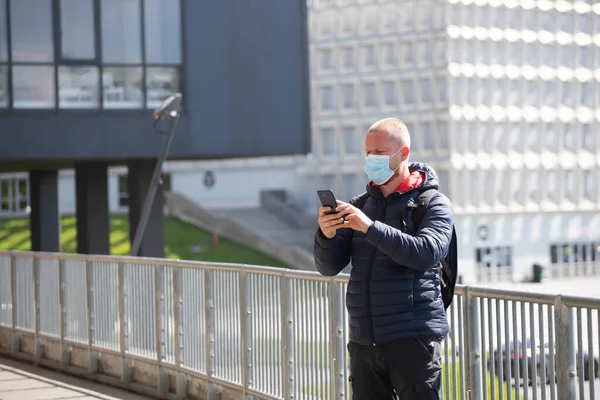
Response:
column 26, row 382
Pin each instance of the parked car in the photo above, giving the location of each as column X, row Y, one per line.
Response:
column 586, row 369
column 516, row 354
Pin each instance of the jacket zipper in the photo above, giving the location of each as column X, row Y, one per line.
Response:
column 369, row 311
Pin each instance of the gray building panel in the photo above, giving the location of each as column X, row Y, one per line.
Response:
column 245, row 93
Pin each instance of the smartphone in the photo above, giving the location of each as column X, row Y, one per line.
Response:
column 327, row 200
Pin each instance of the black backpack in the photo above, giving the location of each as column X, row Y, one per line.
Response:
column 449, row 265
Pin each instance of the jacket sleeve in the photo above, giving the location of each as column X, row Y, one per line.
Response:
column 333, row 255
column 427, row 247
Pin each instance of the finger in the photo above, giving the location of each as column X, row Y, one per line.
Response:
column 323, row 210
column 345, row 209
column 329, row 217
column 332, row 223
column 340, row 203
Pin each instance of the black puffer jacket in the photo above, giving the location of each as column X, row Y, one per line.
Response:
column 394, row 290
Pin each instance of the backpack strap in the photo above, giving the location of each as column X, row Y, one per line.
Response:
column 360, row 200
column 418, row 214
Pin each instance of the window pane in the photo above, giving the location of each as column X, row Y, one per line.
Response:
column 122, row 87
column 3, row 32
column 31, row 29
column 427, row 136
column 326, row 98
column 3, row 86
column 370, row 95
column 389, row 93
column 33, row 87
column 77, row 29
column 348, row 96
column 77, row 87
column 408, row 91
column 23, row 194
column 162, row 19
column 121, row 31
column 349, row 136
column 328, row 137
column 160, row 84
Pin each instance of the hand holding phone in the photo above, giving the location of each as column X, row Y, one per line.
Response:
column 328, row 200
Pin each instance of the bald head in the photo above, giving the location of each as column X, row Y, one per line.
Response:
column 395, row 129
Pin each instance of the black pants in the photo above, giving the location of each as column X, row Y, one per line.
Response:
column 408, row 369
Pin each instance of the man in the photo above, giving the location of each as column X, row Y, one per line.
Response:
column 397, row 316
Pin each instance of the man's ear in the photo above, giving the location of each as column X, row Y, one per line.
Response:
column 405, row 152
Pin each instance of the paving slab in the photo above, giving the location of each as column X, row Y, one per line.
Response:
column 19, row 381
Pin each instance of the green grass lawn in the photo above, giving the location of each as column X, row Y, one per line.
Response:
column 181, row 239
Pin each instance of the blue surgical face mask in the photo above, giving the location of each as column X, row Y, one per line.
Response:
column 377, row 168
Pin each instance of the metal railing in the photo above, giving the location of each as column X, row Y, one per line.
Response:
column 180, row 329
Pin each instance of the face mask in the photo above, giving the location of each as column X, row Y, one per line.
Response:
column 378, row 168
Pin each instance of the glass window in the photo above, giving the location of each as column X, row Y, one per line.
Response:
column 565, row 22
column 587, row 99
column 549, row 94
column 585, row 22
column 487, row 194
column 411, row 130
column 31, row 29
column 551, row 142
column 516, row 186
column 567, row 56
column 3, row 32
column 426, row 91
column 370, row 95
column 389, row 93
column 160, row 84
column 3, row 86
column 328, row 138
column 369, row 56
column 408, row 91
column 6, row 195
column 442, row 135
column 588, row 185
column 426, row 53
column 123, row 191
column 350, row 186
column 587, row 137
column 327, row 98
column 122, row 87
column 441, row 52
column 568, row 137
column 442, row 90
column 567, row 94
column 585, row 57
column 427, row 136
column 78, row 87
column 533, row 185
column 329, row 181
column 548, row 21
column 425, row 12
column 22, row 189
column 349, row 136
column 348, row 19
column 348, row 59
column 500, row 188
column 548, row 55
column 325, row 55
column 77, row 29
column 551, row 185
column 162, row 36
column 514, row 136
column 531, row 93
column 33, row 87
column 121, row 31
column 515, row 92
column 569, row 185
column 531, row 137
column 388, row 53
column 348, row 96
column 407, row 54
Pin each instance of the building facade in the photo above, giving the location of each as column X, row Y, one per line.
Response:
column 502, row 98
column 79, row 80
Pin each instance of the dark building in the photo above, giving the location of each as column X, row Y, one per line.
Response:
column 79, row 80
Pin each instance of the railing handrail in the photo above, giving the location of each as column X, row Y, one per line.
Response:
column 474, row 290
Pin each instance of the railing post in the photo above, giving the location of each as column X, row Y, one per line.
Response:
column 126, row 373
column 471, row 313
column 36, row 316
column 209, row 322
column 64, row 359
column 177, row 303
column 287, row 337
column 92, row 361
column 566, row 359
column 337, row 345
column 16, row 338
column 163, row 379
column 246, row 331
